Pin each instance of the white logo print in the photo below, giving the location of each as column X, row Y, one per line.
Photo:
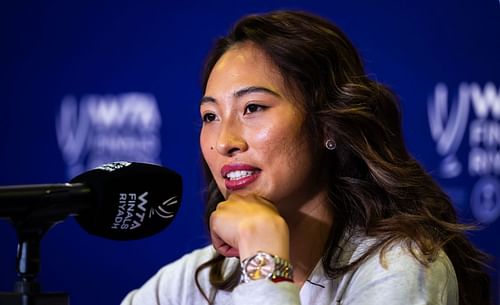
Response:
column 130, row 215
column 470, row 123
column 485, row 200
column 160, row 210
column 104, row 128
column 448, row 126
column 111, row 167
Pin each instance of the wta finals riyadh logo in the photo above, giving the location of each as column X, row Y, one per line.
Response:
column 100, row 129
column 470, row 123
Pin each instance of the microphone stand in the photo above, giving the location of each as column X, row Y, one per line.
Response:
column 31, row 224
column 27, row 289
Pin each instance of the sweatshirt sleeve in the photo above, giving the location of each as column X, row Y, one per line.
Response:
column 399, row 278
column 174, row 283
column 265, row 292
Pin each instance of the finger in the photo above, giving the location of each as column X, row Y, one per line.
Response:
column 220, row 243
column 222, row 247
column 251, row 198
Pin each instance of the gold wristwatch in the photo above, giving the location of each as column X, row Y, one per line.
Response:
column 266, row 266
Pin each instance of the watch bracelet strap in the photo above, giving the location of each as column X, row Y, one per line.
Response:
column 283, row 272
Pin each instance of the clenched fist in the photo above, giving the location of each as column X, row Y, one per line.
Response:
column 243, row 225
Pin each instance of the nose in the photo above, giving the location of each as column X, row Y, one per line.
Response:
column 230, row 140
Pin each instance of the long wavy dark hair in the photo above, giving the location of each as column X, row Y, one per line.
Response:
column 374, row 183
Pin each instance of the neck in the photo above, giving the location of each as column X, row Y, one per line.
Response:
column 309, row 232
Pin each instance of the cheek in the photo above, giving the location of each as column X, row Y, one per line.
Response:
column 205, row 148
column 263, row 136
column 210, row 157
column 207, row 141
column 284, row 141
column 207, row 152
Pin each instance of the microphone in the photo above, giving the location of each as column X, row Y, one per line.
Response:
column 119, row 201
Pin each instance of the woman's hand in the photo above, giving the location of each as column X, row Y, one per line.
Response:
column 243, row 225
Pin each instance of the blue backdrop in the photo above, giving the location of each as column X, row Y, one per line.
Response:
column 84, row 83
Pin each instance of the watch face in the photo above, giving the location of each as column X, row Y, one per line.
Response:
column 260, row 266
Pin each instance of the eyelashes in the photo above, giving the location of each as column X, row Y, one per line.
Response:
column 249, row 109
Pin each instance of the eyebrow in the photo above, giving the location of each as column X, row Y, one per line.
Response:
column 243, row 92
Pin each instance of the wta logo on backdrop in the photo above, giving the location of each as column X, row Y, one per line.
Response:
column 99, row 129
column 468, row 121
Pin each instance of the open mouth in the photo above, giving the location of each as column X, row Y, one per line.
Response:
column 239, row 176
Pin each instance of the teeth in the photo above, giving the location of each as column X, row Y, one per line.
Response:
column 235, row 175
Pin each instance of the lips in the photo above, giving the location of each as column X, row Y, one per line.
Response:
column 238, row 176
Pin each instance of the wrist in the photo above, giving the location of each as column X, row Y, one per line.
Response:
column 271, row 236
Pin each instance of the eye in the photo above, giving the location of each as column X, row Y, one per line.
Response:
column 250, row 108
column 209, row 117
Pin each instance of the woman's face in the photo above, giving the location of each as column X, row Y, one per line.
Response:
column 253, row 136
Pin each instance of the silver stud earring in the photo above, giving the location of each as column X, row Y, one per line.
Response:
column 330, row 144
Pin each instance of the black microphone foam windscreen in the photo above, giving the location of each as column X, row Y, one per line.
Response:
column 130, row 200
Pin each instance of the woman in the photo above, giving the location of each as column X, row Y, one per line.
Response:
column 312, row 195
